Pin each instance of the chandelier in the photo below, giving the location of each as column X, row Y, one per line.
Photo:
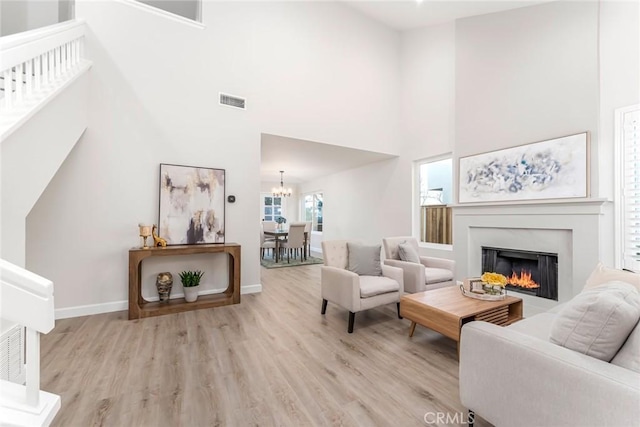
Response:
column 281, row 192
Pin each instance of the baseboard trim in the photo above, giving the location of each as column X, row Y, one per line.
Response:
column 109, row 307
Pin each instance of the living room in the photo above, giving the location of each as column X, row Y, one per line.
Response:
column 324, row 72
column 461, row 89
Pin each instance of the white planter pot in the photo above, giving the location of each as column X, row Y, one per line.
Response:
column 191, row 293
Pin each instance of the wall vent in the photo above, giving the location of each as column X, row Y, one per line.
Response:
column 233, row 101
column 12, row 355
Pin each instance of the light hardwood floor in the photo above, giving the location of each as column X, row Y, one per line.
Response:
column 272, row 360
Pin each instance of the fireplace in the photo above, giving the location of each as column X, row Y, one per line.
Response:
column 527, row 272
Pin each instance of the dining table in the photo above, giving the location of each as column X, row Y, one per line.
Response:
column 281, row 235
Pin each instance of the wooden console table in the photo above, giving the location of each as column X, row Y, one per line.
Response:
column 139, row 307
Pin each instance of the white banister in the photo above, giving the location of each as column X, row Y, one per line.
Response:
column 27, row 299
column 36, row 64
column 53, row 43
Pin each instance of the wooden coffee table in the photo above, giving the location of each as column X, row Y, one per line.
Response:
column 445, row 310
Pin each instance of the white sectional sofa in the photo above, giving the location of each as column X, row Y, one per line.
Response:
column 516, row 376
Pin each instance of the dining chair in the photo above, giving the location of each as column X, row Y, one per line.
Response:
column 295, row 240
column 307, row 237
column 269, row 226
column 266, row 245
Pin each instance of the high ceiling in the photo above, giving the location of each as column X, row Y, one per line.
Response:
column 409, row 14
column 305, row 160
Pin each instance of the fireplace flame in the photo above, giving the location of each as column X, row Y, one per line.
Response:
column 523, row 280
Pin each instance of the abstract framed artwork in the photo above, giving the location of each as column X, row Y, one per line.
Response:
column 191, row 204
column 553, row 169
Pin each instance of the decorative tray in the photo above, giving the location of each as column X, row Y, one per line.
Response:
column 485, row 296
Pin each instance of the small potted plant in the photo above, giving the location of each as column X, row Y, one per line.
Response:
column 190, row 282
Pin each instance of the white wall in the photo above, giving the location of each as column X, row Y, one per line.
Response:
column 304, row 68
column 428, row 91
column 427, row 111
column 526, row 75
column 30, row 157
column 24, row 15
column 365, row 203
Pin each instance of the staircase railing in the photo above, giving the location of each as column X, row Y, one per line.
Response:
column 34, row 65
column 27, row 299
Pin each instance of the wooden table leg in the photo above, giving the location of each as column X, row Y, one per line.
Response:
column 413, row 329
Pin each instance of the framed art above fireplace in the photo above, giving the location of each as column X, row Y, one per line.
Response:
column 553, row 169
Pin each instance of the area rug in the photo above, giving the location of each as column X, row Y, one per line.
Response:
column 270, row 263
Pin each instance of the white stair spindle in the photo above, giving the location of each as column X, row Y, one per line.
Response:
column 29, row 76
column 38, row 71
column 8, row 88
column 56, row 62
column 67, row 56
column 46, row 72
column 33, row 367
column 19, row 83
column 74, row 60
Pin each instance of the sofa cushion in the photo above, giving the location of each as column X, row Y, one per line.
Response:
column 629, row 355
column 375, row 285
column 603, row 274
column 437, row 275
column 364, row 260
column 538, row 326
column 407, row 252
column 597, row 321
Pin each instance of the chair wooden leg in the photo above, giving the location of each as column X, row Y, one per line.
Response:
column 352, row 318
column 324, row 306
column 398, row 305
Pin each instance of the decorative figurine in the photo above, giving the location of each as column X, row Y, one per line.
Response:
column 145, row 231
column 164, row 282
column 157, row 240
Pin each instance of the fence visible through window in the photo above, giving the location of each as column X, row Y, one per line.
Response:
column 435, row 224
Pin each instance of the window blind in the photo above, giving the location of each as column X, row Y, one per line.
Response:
column 631, row 189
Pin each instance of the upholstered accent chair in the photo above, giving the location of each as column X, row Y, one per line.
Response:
column 421, row 273
column 352, row 290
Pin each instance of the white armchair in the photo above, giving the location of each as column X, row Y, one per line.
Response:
column 430, row 273
column 352, row 291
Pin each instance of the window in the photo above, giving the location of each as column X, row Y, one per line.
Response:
column 628, row 187
column 271, row 207
column 435, row 178
column 190, row 9
column 312, row 210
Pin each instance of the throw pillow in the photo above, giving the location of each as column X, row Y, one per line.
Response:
column 629, row 355
column 364, row 260
column 603, row 274
column 408, row 253
column 597, row 321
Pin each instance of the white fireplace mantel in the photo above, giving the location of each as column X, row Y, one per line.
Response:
column 575, row 229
